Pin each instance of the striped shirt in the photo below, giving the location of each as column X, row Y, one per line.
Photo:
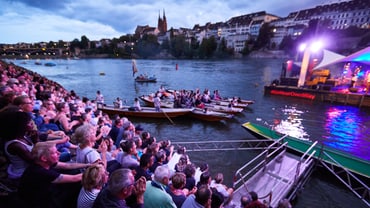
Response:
column 86, row 198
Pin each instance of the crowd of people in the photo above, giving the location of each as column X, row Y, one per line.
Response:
column 61, row 151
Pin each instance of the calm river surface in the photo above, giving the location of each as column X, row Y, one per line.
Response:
column 338, row 126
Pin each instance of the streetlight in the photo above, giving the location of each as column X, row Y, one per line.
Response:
column 313, row 47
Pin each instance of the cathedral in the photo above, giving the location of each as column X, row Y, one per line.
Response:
column 162, row 23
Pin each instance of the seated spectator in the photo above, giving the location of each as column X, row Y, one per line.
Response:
column 190, row 180
column 176, row 189
column 201, row 169
column 155, row 194
column 142, row 170
column 245, row 200
column 284, row 203
column 183, row 161
column 168, row 148
column 62, row 118
column 93, row 180
column 160, row 157
column 85, row 153
column 222, row 188
column 255, row 203
column 201, row 198
column 41, row 183
column 126, row 156
column 205, row 179
column 121, row 185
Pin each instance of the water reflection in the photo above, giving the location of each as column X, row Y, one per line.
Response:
column 342, row 125
column 290, row 123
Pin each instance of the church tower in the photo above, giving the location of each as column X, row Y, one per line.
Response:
column 162, row 23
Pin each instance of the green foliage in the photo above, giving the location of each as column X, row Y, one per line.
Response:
column 264, row 37
column 147, row 46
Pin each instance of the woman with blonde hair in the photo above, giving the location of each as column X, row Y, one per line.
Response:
column 93, row 180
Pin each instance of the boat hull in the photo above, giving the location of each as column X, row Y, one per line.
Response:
column 209, row 115
column 146, row 112
column 354, row 164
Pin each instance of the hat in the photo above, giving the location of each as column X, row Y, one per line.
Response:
column 12, row 81
column 37, row 105
column 139, row 128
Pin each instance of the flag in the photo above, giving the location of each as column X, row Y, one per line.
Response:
column 134, row 68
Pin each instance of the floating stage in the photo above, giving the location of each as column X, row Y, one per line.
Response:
column 323, row 94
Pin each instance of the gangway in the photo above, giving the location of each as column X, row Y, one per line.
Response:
column 201, row 146
column 274, row 174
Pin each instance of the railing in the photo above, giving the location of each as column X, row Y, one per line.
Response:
column 227, row 145
column 349, row 180
column 286, row 178
column 261, row 164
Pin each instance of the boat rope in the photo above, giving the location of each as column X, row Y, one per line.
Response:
column 168, row 117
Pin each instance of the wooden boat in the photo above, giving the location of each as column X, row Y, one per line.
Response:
column 227, row 103
column 143, row 78
column 352, row 163
column 146, row 112
column 223, row 109
column 149, row 101
column 208, row 115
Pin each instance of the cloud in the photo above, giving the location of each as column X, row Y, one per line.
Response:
column 45, row 20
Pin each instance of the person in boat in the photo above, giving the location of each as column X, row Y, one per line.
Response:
column 216, row 95
column 117, row 103
column 137, row 106
column 99, row 97
column 157, row 103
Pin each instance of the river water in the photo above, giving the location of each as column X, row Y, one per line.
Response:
column 338, row 126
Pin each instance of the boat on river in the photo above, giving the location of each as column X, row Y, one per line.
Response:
column 146, row 112
column 223, row 109
column 149, row 101
column 141, row 77
column 50, row 64
column 320, row 152
column 208, row 115
column 145, row 78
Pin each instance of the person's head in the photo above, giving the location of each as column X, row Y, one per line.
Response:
column 121, row 183
column 219, row 178
column 128, row 146
column 245, row 200
column 14, row 124
column 189, row 170
column 284, row 203
column 203, row 195
column 24, row 102
column 178, row 180
column 85, row 134
column 62, row 107
column 160, row 155
column 253, row 195
column 94, row 176
column 162, row 175
column 45, row 153
column 146, row 160
column 205, row 178
column 204, row 167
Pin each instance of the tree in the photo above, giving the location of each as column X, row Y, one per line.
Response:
column 264, row 36
column 148, row 46
column 84, row 42
column 178, row 46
